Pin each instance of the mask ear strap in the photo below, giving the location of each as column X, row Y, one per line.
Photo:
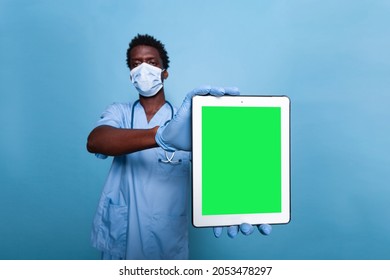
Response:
column 169, row 159
column 165, row 74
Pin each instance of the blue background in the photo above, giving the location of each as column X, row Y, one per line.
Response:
column 63, row 62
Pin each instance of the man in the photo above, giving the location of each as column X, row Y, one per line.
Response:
column 143, row 209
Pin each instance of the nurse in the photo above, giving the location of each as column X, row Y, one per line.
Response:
column 143, row 209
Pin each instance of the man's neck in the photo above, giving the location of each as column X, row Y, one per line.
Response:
column 152, row 104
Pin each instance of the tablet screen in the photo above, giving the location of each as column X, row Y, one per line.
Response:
column 240, row 160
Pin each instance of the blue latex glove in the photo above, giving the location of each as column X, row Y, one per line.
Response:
column 245, row 229
column 176, row 134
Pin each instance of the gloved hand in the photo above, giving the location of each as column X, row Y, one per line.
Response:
column 176, row 134
column 245, row 228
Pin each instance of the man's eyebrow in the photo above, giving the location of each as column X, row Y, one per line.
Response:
column 142, row 58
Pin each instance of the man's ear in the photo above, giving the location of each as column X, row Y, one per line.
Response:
column 165, row 74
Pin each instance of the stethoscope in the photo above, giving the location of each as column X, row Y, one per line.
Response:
column 169, row 158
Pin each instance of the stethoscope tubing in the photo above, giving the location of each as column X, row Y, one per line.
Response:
column 169, row 159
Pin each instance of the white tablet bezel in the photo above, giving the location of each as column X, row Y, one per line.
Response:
column 198, row 102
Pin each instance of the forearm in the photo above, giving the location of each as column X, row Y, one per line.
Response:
column 113, row 141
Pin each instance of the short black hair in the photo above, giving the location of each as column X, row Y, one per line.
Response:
column 147, row 40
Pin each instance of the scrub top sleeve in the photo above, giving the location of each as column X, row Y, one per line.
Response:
column 111, row 116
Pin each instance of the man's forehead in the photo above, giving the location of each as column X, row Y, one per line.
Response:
column 143, row 51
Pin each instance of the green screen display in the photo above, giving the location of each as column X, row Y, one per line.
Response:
column 241, row 160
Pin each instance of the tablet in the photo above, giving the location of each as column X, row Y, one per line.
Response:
column 241, row 160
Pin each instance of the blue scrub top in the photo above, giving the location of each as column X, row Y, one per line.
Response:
column 143, row 209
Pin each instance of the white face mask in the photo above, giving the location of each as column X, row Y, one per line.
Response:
column 147, row 79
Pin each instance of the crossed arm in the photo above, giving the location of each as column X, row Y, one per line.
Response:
column 112, row 141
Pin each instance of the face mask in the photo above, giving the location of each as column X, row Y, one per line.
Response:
column 147, row 79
